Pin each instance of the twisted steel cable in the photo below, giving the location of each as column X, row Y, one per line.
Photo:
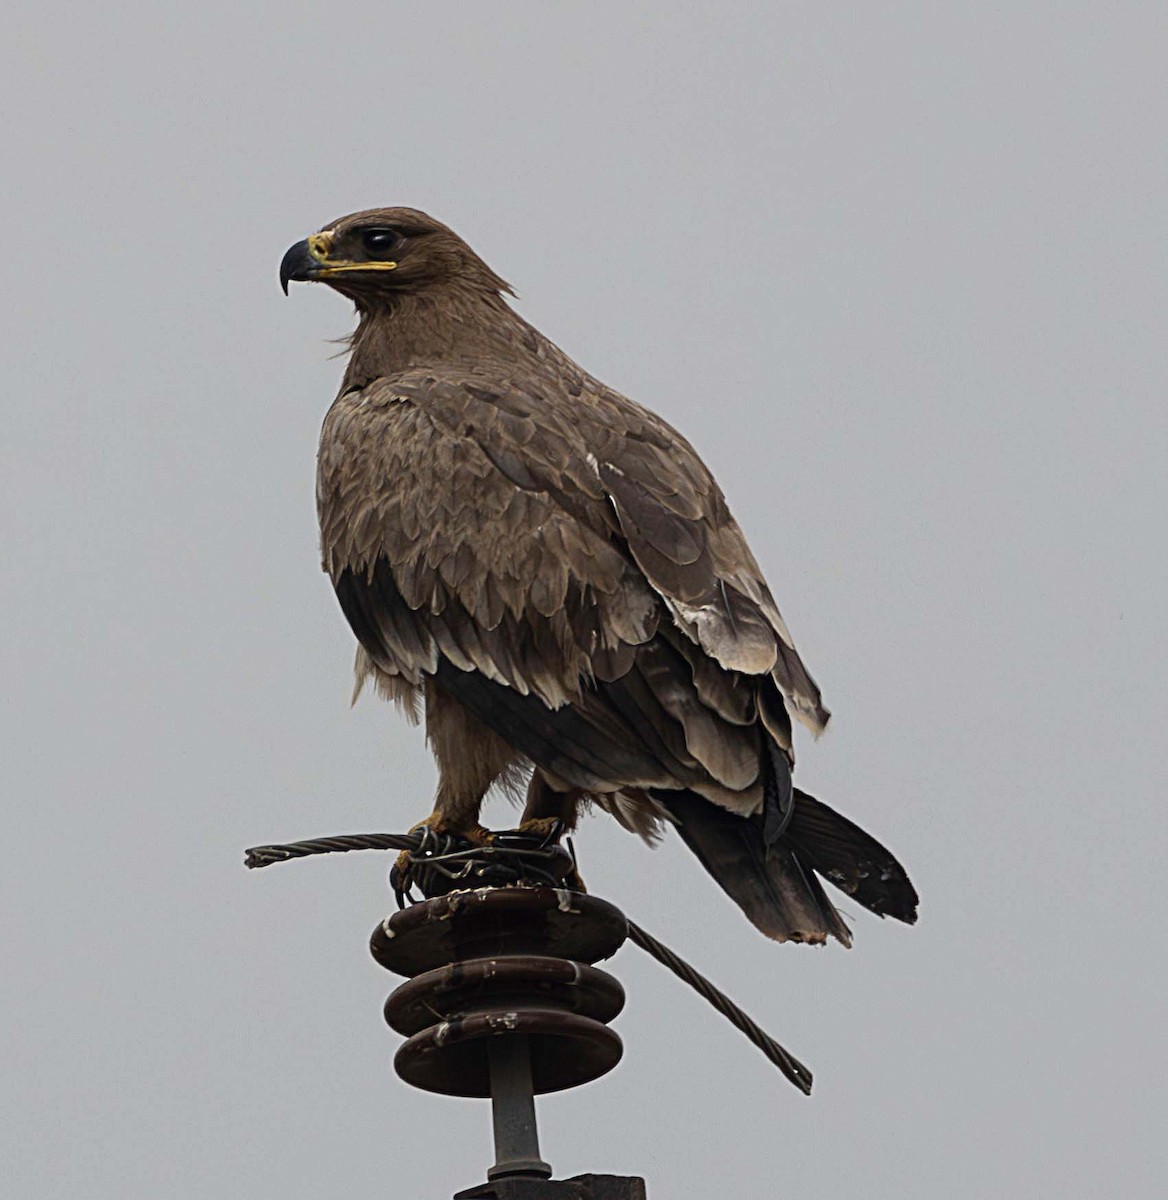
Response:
column 264, row 856
column 791, row 1068
column 787, row 1063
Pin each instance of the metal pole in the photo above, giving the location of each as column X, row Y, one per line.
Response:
column 513, row 1109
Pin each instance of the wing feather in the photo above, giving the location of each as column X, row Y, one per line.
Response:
column 572, row 575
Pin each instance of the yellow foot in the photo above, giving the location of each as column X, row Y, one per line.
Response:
column 436, row 823
column 542, row 827
column 478, row 834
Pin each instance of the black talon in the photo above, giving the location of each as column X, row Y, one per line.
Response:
column 553, row 835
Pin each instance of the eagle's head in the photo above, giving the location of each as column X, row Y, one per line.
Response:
column 375, row 256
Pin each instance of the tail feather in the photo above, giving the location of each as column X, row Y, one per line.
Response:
column 851, row 859
column 776, row 885
column 781, row 898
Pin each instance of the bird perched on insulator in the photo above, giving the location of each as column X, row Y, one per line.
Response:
column 550, row 574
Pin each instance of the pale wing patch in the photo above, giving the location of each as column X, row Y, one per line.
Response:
column 710, row 627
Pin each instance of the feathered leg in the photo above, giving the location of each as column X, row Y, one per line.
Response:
column 545, row 806
column 470, row 758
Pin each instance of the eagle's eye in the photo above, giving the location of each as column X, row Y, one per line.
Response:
column 379, row 243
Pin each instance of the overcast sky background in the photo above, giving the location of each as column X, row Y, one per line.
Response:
column 898, row 271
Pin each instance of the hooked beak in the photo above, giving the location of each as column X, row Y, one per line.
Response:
column 312, row 259
column 302, row 262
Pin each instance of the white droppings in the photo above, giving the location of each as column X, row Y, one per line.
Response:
column 442, row 1034
column 563, row 900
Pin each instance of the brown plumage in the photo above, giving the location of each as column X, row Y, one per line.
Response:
column 551, row 572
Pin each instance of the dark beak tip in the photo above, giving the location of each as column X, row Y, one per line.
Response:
column 296, row 264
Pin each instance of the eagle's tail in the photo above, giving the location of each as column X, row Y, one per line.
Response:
column 776, row 884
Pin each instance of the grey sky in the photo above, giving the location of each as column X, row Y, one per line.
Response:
column 897, row 270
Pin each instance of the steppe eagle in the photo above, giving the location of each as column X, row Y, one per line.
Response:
column 549, row 571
